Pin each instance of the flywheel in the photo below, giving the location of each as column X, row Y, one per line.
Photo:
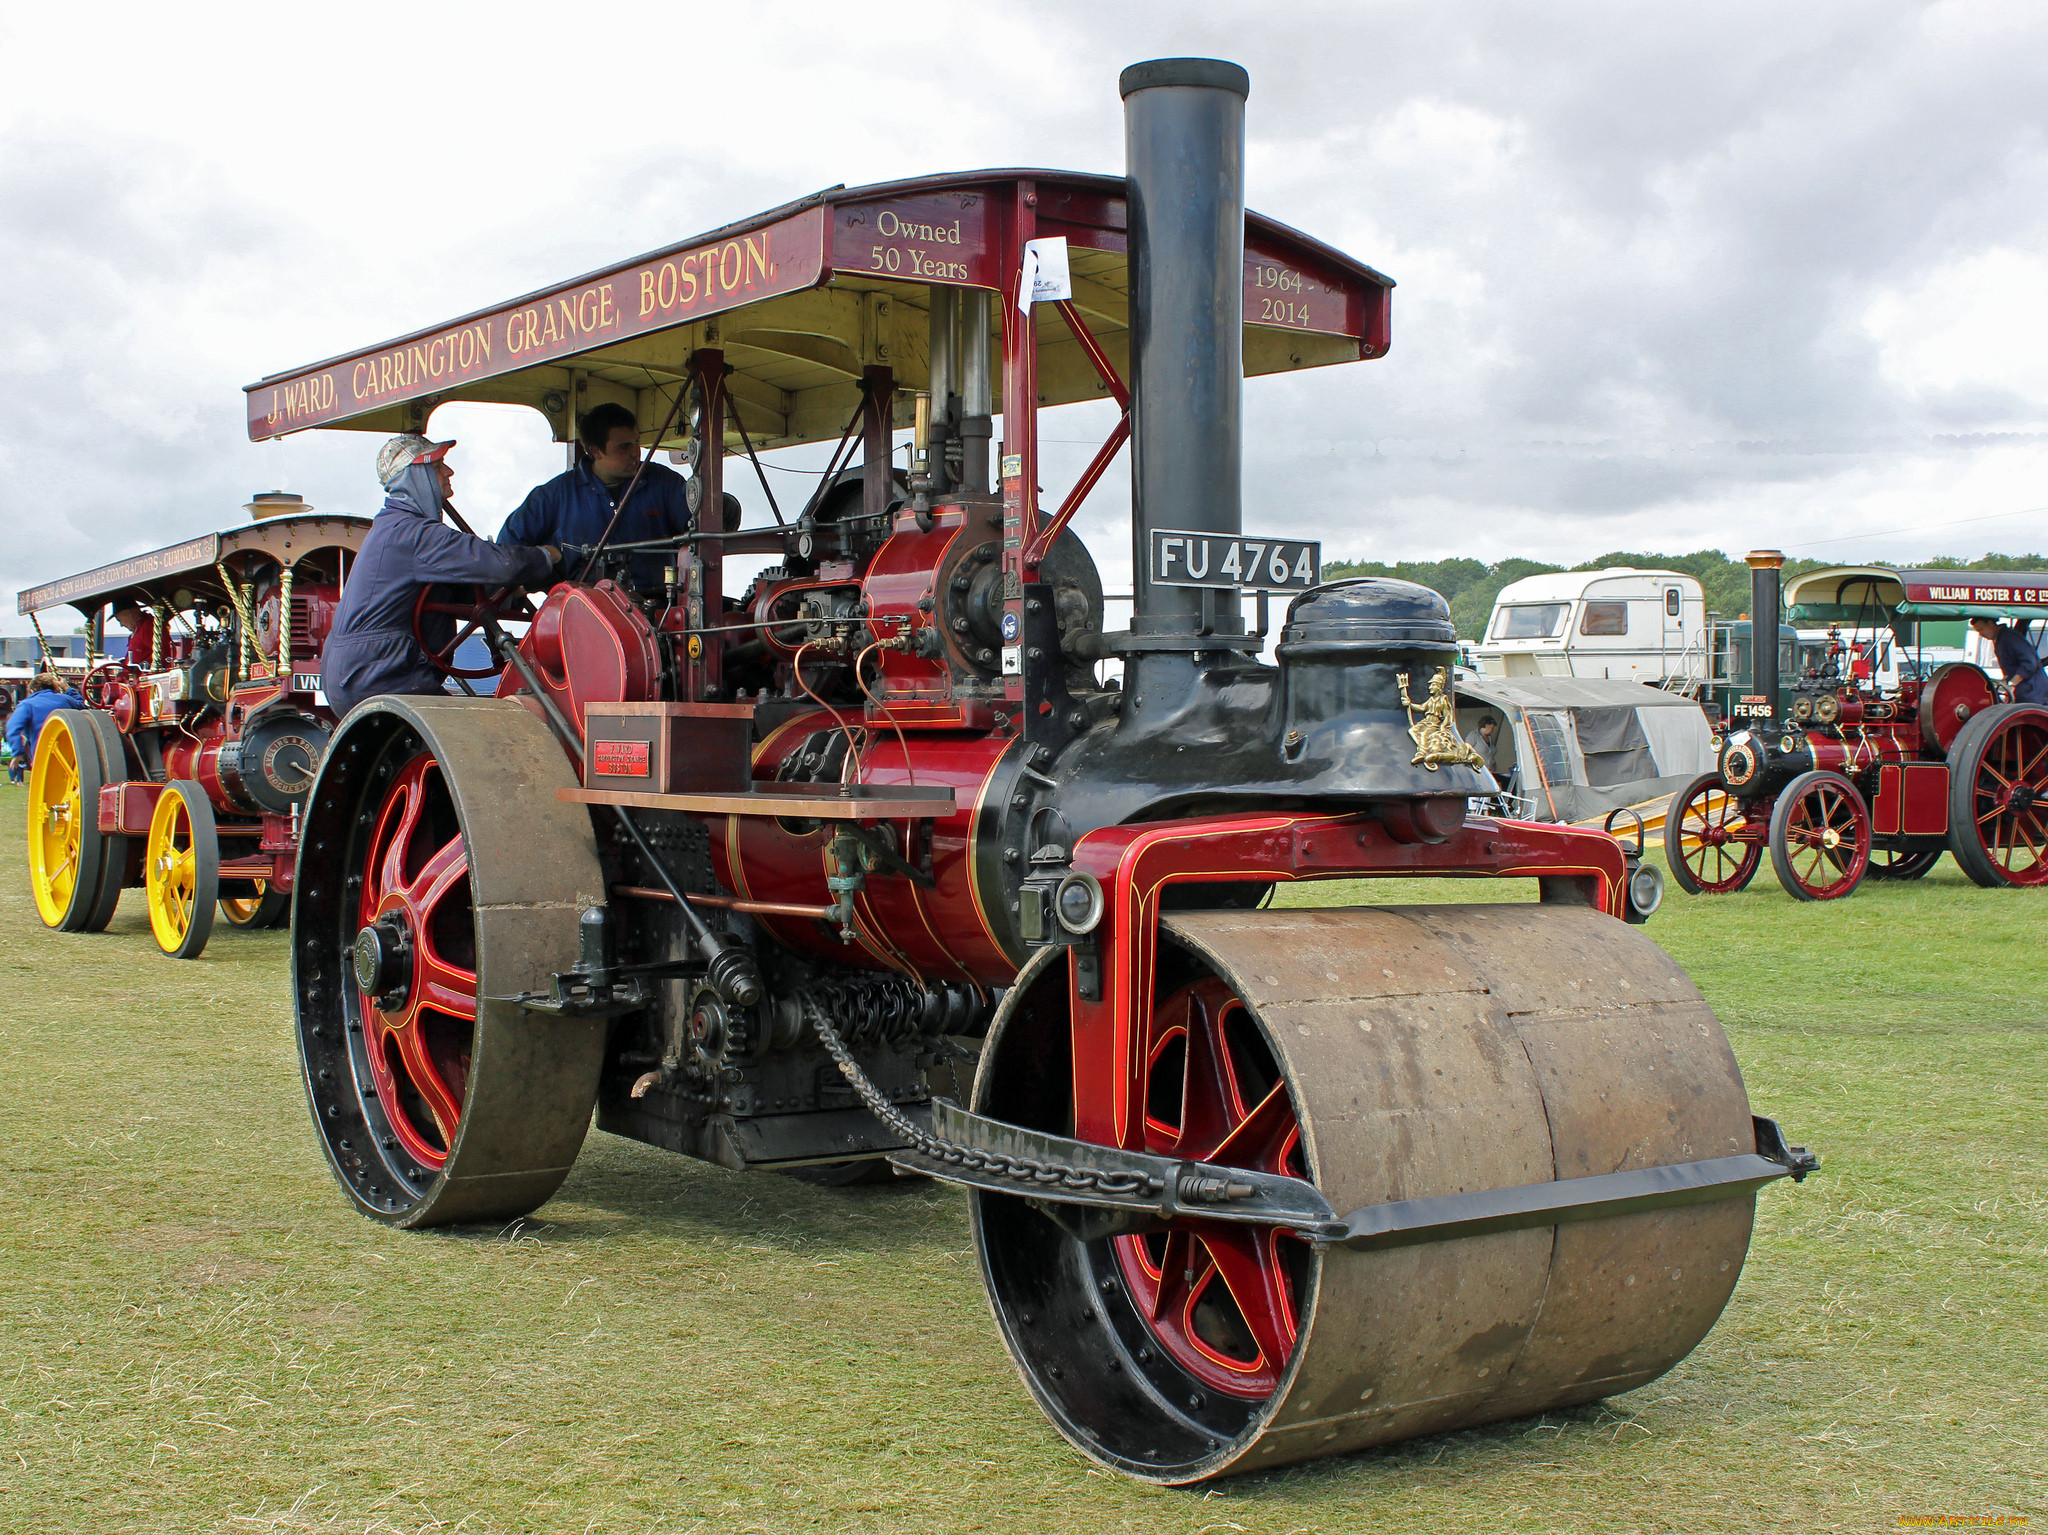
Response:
column 438, row 879
column 1386, row 1054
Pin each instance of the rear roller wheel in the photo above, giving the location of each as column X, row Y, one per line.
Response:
column 1888, row 863
column 455, row 883
column 1998, row 796
column 72, row 869
column 1820, row 837
column 181, row 869
column 1702, row 845
column 253, row 904
column 1385, row 1054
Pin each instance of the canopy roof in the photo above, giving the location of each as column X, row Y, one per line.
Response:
column 157, row 575
column 1837, row 595
column 1570, row 693
column 804, row 297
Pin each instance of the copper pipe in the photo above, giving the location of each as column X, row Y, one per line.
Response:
column 730, row 903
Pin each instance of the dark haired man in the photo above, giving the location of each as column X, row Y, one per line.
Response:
column 575, row 508
column 2017, row 658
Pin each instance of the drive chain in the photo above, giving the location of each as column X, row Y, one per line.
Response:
column 1026, row 1170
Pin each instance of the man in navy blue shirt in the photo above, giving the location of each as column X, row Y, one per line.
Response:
column 576, row 508
column 372, row 648
column 2020, row 662
column 25, row 724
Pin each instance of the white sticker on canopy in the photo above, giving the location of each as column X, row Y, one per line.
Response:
column 1047, row 276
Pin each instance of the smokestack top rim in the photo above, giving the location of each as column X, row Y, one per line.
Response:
column 1213, row 74
column 1764, row 559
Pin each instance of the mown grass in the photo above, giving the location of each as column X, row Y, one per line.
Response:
column 199, row 1336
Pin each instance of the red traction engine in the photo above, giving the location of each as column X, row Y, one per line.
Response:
column 185, row 773
column 1856, row 782
column 773, row 881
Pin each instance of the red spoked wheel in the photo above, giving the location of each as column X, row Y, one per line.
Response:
column 1998, row 796
column 1891, row 863
column 1708, row 841
column 1379, row 1055
column 436, row 900
column 1222, row 1298
column 415, row 961
column 470, row 607
column 1820, row 837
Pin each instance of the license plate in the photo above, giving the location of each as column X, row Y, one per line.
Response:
column 305, row 682
column 1182, row 558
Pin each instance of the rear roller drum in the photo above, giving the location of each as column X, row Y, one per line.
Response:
column 181, row 869
column 1384, row 1054
column 1820, row 837
column 1702, row 847
column 440, row 878
column 1998, row 796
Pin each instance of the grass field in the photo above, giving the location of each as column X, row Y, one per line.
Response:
column 197, row 1335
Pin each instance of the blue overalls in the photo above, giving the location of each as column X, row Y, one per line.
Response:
column 371, row 649
column 576, row 507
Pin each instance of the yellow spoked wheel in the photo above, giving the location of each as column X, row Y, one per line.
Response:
column 182, row 870
column 67, row 856
column 251, row 903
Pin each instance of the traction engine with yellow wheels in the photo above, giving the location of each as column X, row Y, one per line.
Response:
column 186, row 772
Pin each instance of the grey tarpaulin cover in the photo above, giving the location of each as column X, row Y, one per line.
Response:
column 1583, row 746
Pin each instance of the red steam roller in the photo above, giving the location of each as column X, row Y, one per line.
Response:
column 870, row 862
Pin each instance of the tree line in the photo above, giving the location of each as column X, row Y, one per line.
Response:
column 1471, row 585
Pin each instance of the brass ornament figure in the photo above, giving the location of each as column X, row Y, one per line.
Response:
column 1433, row 725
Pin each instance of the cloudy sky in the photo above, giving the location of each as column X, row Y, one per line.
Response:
column 1670, row 277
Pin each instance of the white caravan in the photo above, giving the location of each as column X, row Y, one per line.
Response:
column 1623, row 624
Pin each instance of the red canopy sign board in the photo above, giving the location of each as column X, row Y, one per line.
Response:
column 958, row 231
column 2004, row 588
column 669, row 288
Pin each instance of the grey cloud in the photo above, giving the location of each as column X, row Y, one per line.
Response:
column 1635, row 243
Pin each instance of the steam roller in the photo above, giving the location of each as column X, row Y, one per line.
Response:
column 901, row 857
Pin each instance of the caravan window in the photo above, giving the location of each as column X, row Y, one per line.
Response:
column 1530, row 621
column 1671, row 600
column 1605, row 618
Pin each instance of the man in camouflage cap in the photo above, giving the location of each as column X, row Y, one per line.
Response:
column 372, row 648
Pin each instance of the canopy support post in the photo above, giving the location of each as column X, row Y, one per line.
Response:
column 705, row 559
column 878, row 485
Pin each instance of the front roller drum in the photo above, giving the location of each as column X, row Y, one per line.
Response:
column 1385, row 1054
column 439, row 878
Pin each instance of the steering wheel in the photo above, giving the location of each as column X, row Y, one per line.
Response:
column 505, row 604
column 98, row 688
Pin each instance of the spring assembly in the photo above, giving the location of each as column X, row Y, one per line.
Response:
column 887, row 1009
